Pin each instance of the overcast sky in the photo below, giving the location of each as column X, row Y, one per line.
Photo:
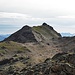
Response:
column 16, row 13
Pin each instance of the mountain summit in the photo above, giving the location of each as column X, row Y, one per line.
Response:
column 23, row 35
column 43, row 32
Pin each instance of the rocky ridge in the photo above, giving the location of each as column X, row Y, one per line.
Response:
column 37, row 50
column 34, row 34
column 60, row 64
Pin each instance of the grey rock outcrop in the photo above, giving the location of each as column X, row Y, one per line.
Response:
column 23, row 35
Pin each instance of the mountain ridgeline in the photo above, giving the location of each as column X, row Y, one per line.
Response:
column 37, row 50
column 34, row 34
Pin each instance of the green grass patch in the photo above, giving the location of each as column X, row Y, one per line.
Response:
column 12, row 46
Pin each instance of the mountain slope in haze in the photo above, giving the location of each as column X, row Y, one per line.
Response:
column 67, row 34
column 2, row 37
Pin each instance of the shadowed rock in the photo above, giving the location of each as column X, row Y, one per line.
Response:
column 23, row 35
column 33, row 34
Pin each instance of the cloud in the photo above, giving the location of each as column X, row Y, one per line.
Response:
column 67, row 17
column 18, row 19
column 22, row 19
column 13, row 15
column 58, row 13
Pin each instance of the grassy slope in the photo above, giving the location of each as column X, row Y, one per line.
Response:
column 46, row 32
column 15, row 51
column 9, row 49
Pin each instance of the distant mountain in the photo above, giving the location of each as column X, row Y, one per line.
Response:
column 67, row 34
column 2, row 37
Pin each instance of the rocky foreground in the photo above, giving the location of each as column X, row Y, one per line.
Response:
column 60, row 64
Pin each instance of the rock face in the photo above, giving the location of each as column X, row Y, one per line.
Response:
column 34, row 34
column 23, row 35
column 60, row 64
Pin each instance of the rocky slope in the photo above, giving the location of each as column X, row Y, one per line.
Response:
column 34, row 34
column 60, row 64
column 22, row 36
column 40, row 40
column 37, row 50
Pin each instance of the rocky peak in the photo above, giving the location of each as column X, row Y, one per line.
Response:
column 33, row 34
column 26, row 27
column 22, row 36
column 46, row 25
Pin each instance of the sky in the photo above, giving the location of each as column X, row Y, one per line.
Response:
column 14, row 14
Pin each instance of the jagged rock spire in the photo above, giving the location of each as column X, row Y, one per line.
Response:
column 44, row 23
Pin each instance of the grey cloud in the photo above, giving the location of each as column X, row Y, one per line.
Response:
column 38, row 12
